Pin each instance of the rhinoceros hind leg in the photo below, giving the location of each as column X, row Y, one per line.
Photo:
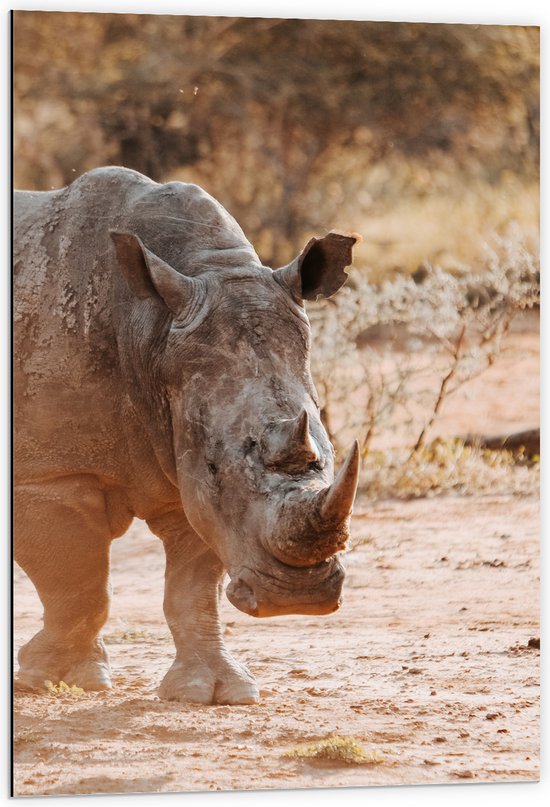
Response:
column 62, row 540
column 204, row 671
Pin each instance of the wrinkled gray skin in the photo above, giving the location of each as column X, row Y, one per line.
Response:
column 161, row 372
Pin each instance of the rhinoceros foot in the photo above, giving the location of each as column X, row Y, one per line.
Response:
column 92, row 676
column 41, row 662
column 221, row 680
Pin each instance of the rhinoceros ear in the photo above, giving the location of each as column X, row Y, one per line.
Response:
column 319, row 268
column 148, row 275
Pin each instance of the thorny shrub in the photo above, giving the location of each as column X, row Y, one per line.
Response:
column 385, row 357
column 447, row 466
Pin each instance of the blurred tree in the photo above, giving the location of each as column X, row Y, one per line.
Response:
column 255, row 108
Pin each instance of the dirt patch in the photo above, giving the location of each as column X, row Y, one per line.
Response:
column 428, row 662
column 431, row 664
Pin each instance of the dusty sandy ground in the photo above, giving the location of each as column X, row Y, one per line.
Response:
column 427, row 661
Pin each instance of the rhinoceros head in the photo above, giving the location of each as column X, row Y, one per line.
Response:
column 254, row 465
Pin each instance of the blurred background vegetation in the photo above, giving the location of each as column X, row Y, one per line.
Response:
column 424, row 138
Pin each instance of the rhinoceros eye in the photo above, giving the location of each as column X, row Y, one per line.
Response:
column 316, row 465
column 249, row 445
column 212, row 468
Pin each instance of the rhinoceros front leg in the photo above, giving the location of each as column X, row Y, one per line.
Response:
column 203, row 671
column 61, row 540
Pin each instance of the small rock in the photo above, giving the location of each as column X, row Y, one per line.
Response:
column 495, row 564
column 439, row 739
column 421, row 273
column 534, row 643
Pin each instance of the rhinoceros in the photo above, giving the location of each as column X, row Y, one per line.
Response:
column 162, row 372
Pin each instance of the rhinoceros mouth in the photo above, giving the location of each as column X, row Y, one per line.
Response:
column 314, row 590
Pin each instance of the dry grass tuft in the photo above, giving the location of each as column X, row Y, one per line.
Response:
column 346, row 750
column 63, row 690
column 133, row 636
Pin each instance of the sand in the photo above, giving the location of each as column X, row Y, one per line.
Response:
column 428, row 662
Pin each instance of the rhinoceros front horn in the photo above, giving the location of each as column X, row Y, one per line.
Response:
column 315, row 528
column 338, row 499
